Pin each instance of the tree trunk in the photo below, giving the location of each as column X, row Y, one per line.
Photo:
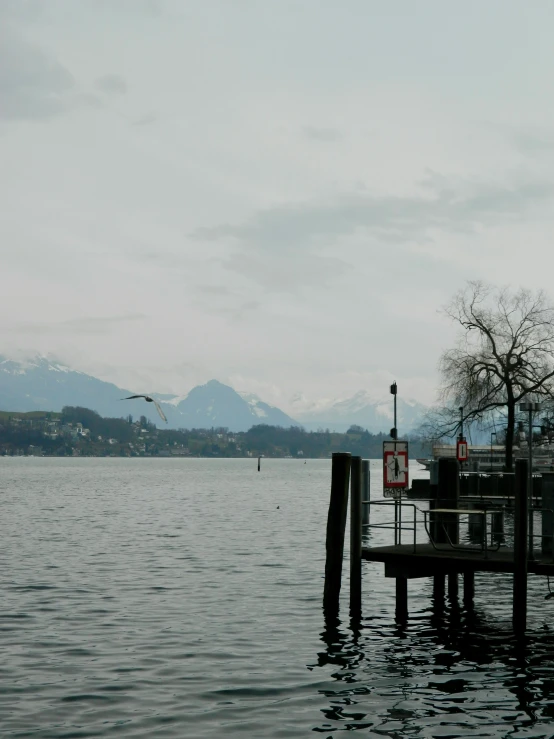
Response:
column 510, row 428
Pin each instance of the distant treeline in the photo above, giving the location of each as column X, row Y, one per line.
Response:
column 82, row 432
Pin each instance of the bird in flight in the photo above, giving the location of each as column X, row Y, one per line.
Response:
column 149, row 400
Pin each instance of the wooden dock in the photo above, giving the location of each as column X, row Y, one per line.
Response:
column 401, row 560
column 442, row 556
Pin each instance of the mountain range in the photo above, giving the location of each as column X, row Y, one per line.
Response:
column 363, row 409
column 45, row 384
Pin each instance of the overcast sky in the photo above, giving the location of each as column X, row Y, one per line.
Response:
column 279, row 194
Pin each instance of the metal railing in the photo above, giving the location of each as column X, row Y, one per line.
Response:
column 396, row 523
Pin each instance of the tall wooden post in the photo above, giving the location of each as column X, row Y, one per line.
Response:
column 366, row 495
column 469, row 588
column 259, row 463
column 447, row 497
column 547, row 540
column 336, row 525
column 520, row 548
column 401, row 599
column 447, row 525
column 356, row 536
column 453, row 587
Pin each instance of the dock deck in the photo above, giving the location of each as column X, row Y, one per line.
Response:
column 401, row 560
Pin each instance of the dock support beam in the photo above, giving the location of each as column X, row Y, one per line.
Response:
column 336, row 526
column 438, row 586
column 547, row 514
column 401, row 599
column 356, row 537
column 469, row 588
column 520, row 548
column 366, row 495
column 448, row 494
column 453, row 588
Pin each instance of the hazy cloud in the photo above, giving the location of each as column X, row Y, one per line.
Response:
column 295, row 226
column 33, row 84
column 111, row 84
column 534, row 143
column 321, row 134
column 288, row 245
column 216, row 290
column 146, row 120
column 86, row 325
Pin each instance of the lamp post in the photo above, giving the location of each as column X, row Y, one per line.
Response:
column 461, row 409
column 394, row 391
column 530, row 408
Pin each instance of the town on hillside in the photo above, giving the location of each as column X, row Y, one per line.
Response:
column 81, row 432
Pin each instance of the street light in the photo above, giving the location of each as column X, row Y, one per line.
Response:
column 394, row 430
column 530, row 408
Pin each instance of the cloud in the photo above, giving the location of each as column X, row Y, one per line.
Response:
column 534, row 143
column 85, row 325
column 33, row 84
column 145, row 120
column 111, row 84
column 400, row 218
column 296, row 244
column 217, row 290
column 321, row 134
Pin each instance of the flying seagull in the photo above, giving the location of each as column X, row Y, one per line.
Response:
column 149, row 400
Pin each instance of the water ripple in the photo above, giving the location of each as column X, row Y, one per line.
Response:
column 169, row 598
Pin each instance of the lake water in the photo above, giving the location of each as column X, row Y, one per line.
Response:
column 182, row 598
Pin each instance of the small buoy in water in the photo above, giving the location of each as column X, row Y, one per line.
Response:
column 277, row 507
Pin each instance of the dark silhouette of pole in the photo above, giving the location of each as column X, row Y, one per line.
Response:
column 366, row 479
column 520, row 548
column 356, row 536
column 336, row 525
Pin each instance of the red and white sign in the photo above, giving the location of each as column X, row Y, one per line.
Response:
column 395, row 464
column 461, row 450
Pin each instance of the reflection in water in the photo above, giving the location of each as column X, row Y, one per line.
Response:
column 450, row 672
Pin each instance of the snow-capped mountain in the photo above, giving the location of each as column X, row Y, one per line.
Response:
column 45, row 384
column 364, row 410
column 216, row 404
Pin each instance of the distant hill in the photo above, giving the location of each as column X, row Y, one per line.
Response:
column 43, row 384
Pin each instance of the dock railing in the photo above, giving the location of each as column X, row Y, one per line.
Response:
column 399, row 524
column 396, row 524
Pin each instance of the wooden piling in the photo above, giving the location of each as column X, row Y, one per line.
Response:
column 366, row 495
column 469, row 587
column 547, row 540
column 438, row 586
column 259, row 463
column 401, row 599
column 519, row 605
column 336, row 525
column 453, row 587
column 356, row 536
column 448, row 495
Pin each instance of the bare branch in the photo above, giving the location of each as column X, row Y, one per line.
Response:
column 503, row 353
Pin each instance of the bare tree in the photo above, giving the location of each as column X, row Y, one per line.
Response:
column 504, row 353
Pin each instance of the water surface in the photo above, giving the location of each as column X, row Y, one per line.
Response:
column 182, row 598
